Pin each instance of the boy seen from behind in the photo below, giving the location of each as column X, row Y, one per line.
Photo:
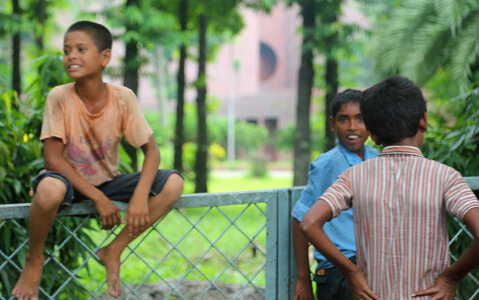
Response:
column 83, row 124
column 399, row 200
column 347, row 122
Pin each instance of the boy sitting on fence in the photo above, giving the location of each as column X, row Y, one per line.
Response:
column 347, row 122
column 400, row 200
column 82, row 127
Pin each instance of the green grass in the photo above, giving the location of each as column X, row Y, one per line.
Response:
column 217, row 184
column 156, row 251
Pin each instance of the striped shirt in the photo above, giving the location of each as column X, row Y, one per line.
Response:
column 400, row 200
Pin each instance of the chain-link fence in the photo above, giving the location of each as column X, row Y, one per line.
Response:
column 209, row 246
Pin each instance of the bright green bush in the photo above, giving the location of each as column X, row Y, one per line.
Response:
column 457, row 146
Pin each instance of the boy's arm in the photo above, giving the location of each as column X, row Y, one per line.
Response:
column 303, row 289
column 312, row 226
column 447, row 282
column 137, row 216
column 55, row 161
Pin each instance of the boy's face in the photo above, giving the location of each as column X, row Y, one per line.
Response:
column 81, row 57
column 349, row 127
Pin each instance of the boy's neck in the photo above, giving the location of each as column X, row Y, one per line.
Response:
column 91, row 92
column 94, row 95
column 414, row 141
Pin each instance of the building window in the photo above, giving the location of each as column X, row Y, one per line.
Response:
column 268, row 61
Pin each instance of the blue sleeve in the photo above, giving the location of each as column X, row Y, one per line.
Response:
column 319, row 180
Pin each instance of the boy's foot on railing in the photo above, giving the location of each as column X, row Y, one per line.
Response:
column 28, row 284
column 112, row 266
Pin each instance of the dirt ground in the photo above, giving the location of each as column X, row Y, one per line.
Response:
column 192, row 290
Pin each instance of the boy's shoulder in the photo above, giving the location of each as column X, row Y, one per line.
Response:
column 121, row 93
column 339, row 153
column 62, row 89
column 329, row 158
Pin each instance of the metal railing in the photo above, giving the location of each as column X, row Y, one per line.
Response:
column 258, row 221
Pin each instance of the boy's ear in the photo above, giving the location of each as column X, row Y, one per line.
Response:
column 105, row 57
column 375, row 139
column 331, row 123
column 423, row 122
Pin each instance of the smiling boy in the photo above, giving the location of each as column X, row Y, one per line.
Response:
column 347, row 122
column 83, row 124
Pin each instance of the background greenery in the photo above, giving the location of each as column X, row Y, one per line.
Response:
column 434, row 42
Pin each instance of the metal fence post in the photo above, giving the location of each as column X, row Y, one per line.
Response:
column 284, row 245
column 271, row 292
column 294, row 194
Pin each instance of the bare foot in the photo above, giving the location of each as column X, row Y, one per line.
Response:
column 29, row 281
column 112, row 266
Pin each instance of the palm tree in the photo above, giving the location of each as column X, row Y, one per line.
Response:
column 424, row 36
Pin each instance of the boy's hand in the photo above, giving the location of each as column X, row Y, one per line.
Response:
column 137, row 217
column 109, row 213
column 442, row 289
column 303, row 289
column 359, row 286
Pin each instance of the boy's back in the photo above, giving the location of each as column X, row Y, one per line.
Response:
column 403, row 246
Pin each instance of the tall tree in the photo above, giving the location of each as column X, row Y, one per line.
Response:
column 324, row 33
column 180, row 112
column 131, row 72
column 40, row 29
column 302, row 136
column 328, row 42
column 202, row 139
column 16, row 49
column 220, row 19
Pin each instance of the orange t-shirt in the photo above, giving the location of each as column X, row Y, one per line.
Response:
column 92, row 140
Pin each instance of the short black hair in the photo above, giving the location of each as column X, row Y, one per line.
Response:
column 392, row 109
column 100, row 35
column 342, row 98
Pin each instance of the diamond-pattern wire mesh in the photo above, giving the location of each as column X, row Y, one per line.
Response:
column 187, row 250
column 232, row 256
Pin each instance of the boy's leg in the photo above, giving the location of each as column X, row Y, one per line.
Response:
column 50, row 193
column 158, row 205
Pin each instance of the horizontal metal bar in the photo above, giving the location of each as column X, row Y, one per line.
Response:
column 20, row 210
column 473, row 182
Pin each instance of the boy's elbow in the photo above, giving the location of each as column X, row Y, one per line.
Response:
column 306, row 225
column 49, row 164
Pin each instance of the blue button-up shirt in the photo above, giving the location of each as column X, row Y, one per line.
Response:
column 323, row 172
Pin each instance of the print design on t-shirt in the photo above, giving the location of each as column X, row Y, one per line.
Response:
column 86, row 162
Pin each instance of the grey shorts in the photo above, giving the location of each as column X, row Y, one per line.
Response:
column 120, row 188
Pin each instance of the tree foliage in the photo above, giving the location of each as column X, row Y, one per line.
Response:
column 423, row 37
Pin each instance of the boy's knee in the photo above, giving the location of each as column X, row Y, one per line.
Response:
column 50, row 193
column 174, row 184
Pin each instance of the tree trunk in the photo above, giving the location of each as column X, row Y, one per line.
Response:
column 180, row 110
column 302, row 136
column 331, row 80
column 41, row 14
column 130, row 80
column 16, row 46
column 202, row 144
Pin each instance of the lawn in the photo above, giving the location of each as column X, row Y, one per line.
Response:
column 201, row 242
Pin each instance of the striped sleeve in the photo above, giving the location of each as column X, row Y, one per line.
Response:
column 458, row 196
column 338, row 196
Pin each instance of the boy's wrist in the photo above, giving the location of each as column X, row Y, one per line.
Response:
column 450, row 277
column 98, row 196
column 304, row 276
